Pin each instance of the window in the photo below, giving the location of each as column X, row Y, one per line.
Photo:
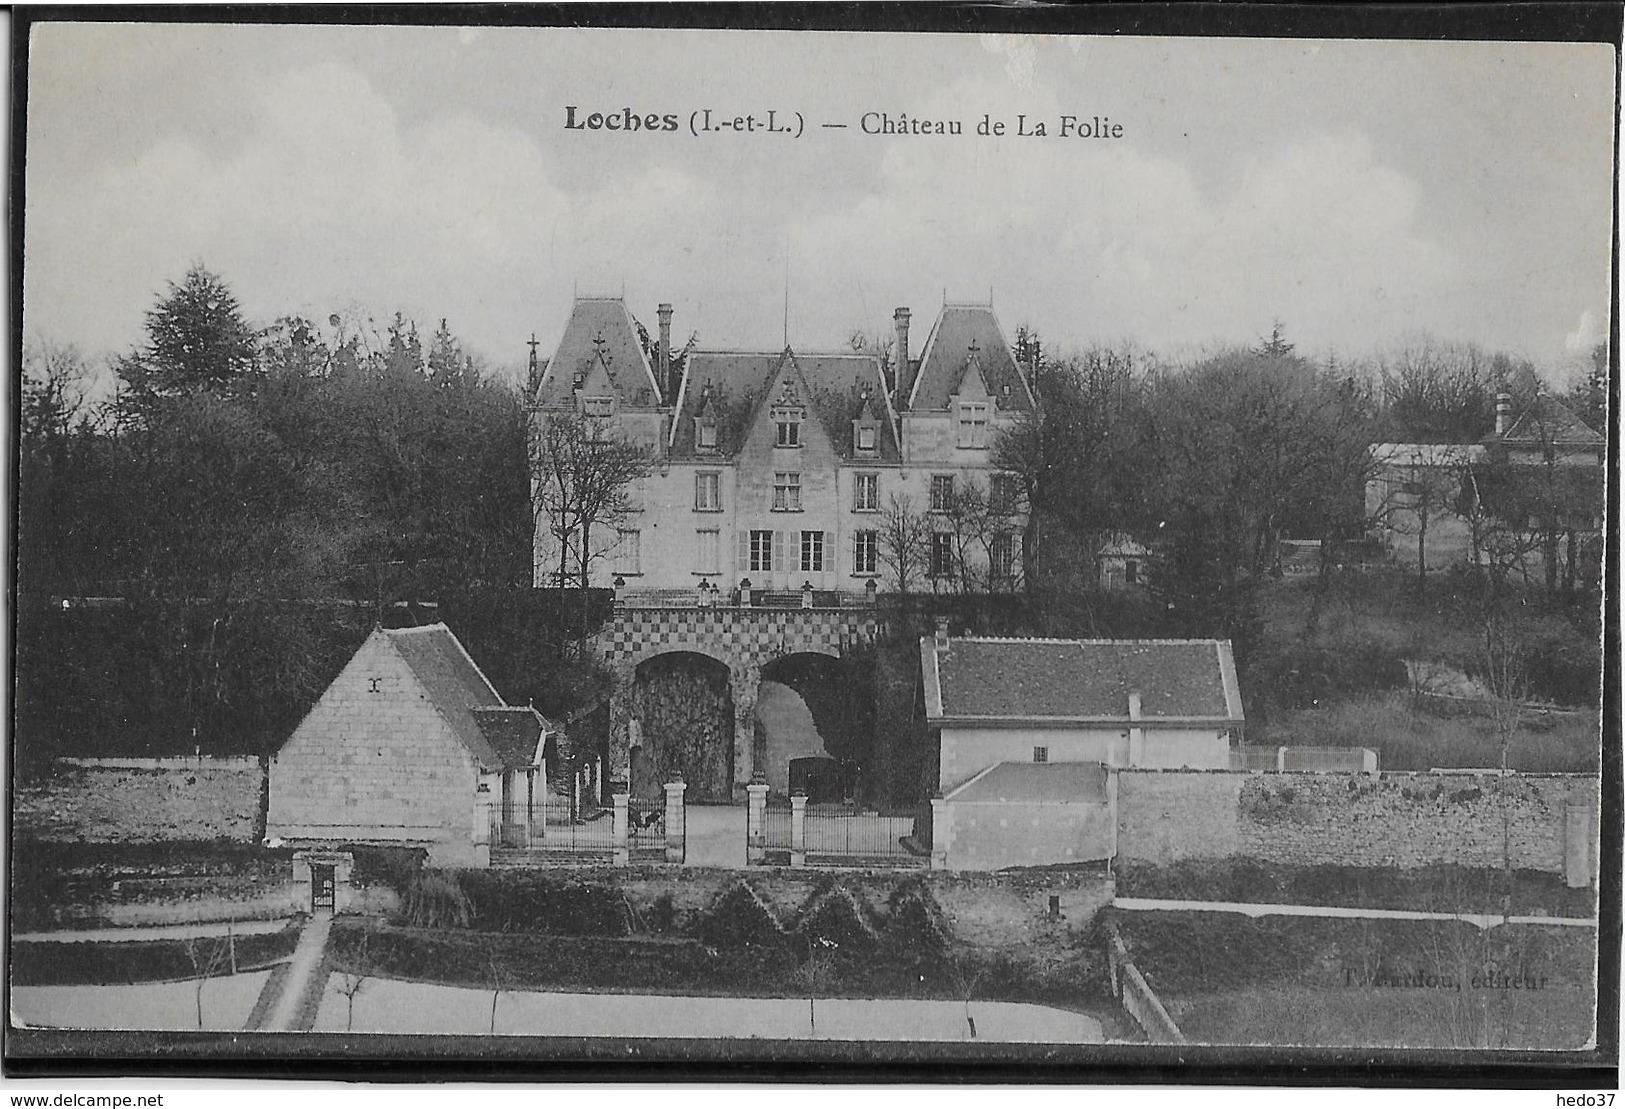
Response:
column 812, row 551
column 710, row 550
column 705, row 435
column 864, row 546
column 789, row 432
column 1041, row 754
column 942, row 492
column 598, row 408
column 786, row 492
column 1001, row 555
column 629, row 553
column 761, row 552
column 865, row 492
column 1002, row 494
column 866, row 437
column 707, row 495
column 942, row 554
column 1131, row 572
column 972, row 424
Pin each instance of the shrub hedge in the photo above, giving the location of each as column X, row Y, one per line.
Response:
column 64, row 964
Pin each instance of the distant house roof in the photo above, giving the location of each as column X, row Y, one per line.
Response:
column 1121, row 545
column 455, row 685
column 1426, row 454
column 1549, row 420
column 600, row 330
column 731, row 386
column 948, row 352
column 1051, row 783
column 514, row 733
column 1079, row 680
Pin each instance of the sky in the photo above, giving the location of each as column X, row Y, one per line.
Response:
column 1361, row 193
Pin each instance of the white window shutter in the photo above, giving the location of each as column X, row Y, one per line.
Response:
column 829, row 552
column 778, row 551
column 742, row 555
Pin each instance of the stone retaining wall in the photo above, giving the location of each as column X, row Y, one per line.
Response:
column 116, row 802
column 1545, row 822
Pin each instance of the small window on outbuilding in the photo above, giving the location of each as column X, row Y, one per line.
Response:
column 1041, row 754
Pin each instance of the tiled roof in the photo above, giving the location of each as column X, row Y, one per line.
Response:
column 1549, row 420
column 454, row 684
column 592, row 319
column 731, row 386
column 513, row 733
column 1052, row 783
column 947, row 351
column 1088, row 679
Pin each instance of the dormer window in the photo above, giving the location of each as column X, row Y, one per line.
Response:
column 866, row 437
column 787, row 413
column 972, row 424
column 705, row 435
column 598, row 408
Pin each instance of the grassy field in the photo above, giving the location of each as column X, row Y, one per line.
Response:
column 1340, row 982
column 1411, row 736
column 1428, row 889
column 1550, row 1019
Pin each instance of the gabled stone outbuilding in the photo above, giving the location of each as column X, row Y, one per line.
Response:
column 410, row 745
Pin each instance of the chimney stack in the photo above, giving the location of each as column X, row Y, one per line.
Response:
column 1503, row 413
column 663, row 374
column 900, row 350
column 942, row 633
column 1134, row 704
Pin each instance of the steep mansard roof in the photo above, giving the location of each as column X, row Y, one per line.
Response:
column 948, row 353
column 600, row 331
column 1080, row 679
column 732, row 387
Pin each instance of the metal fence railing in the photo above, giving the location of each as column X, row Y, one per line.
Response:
column 849, row 834
column 559, row 825
column 646, row 825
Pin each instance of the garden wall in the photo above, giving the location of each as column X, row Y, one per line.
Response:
column 1392, row 820
column 117, row 802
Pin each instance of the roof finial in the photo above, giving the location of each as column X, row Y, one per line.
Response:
column 787, row 292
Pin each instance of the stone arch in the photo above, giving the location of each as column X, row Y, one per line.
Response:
column 681, row 722
column 809, row 707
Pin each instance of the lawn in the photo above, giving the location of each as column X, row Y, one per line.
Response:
column 1550, row 1019
column 1408, row 736
column 1337, row 982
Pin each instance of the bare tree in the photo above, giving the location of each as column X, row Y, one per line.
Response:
column 813, row 972
column 497, row 975
column 206, row 954
column 581, row 477
column 354, row 980
column 905, row 541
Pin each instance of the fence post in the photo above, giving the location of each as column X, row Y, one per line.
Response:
column 1280, row 760
column 798, row 829
column 676, row 821
column 756, row 823
column 623, row 853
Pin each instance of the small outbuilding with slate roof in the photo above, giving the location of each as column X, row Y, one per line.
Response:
column 410, row 745
column 1032, row 732
column 1122, row 702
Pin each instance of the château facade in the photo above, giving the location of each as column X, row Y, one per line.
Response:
column 786, row 469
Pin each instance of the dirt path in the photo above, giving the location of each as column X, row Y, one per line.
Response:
column 303, row 969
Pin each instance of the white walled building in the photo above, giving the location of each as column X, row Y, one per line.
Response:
column 778, row 467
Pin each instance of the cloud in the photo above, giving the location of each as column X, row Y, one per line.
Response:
column 1586, row 335
column 1102, row 239
column 326, row 199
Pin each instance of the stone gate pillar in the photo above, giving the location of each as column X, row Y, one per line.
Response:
column 744, row 680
